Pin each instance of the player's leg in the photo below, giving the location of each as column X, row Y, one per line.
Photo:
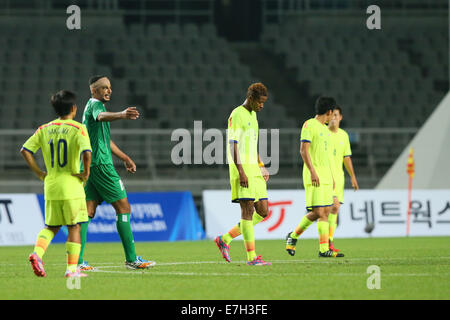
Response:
column 53, row 222
column 110, row 188
column 307, row 220
column 323, row 227
column 323, row 202
column 332, row 220
column 75, row 213
column 93, row 199
column 260, row 213
column 248, row 232
column 43, row 240
column 73, row 247
column 123, row 213
column 91, row 206
column 258, row 191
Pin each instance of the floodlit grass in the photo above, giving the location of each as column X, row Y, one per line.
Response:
column 411, row 268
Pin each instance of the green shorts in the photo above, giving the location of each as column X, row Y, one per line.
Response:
column 339, row 190
column 104, row 184
column 65, row 212
column 319, row 196
column 256, row 191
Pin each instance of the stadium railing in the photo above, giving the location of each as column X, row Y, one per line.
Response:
column 374, row 150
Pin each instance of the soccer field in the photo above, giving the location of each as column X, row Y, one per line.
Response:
column 411, row 268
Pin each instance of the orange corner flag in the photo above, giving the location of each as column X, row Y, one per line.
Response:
column 410, row 166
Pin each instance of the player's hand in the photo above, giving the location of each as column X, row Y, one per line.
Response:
column 265, row 173
column 315, row 179
column 42, row 175
column 131, row 113
column 83, row 176
column 130, row 165
column 355, row 184
column 243, row 180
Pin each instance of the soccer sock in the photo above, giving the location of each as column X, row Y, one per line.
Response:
column 236, row 230
column 126, row 236
column 83, row 236
column 44, row 238
column 248, row 233
column 332, row 220
column 302, row 226
column 73, row 251
column 324, row 228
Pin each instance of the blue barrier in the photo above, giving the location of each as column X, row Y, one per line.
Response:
column 155, row 216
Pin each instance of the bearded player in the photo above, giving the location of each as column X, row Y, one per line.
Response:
column 104, row 183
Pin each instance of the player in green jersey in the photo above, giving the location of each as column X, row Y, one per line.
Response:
column 341, row 156
column 248, row 176
column 104, row 183
column 318, row 180
column 62, row 141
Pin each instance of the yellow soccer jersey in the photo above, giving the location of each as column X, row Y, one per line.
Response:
column 62, row 142
column 318, row 135
column 340, row 147
column 243, row 129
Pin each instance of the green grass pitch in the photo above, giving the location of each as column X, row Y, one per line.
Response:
column 411, row 268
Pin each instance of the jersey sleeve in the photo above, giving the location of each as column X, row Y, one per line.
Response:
column 234, row 128
column 33, row 143
column 347, row 149
column 97, row 108
column 83, row 139
column 306, row 133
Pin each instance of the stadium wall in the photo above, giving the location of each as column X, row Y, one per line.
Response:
column 365, row 213
column 156, row 216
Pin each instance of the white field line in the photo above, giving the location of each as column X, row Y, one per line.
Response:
column 290, row 261
column 268, row 274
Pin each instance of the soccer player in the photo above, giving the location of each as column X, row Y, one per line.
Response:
column 341, row 156
column 248, row 176
column 104, row 183
column 317, row 177
column 62, row 141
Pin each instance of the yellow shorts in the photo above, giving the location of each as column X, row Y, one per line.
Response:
column 256, row 191
column 318, row 196
column 65, row 212
column 339, row 190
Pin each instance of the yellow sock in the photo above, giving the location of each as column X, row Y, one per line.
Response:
column 249, row 238
column 324, row 228
column 332, row 220
column 302, row 226
column 236, row 230
column 44, row 238
column 73, row 252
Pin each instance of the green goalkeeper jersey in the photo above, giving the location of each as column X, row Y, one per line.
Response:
column 99, row 133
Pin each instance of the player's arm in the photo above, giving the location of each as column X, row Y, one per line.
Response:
column 86, row 157
column 130, row 113
column 304, row 153
column 243, row 180
column 129, row 164
column 264, row 171
column 29, row 159
column 349, row 167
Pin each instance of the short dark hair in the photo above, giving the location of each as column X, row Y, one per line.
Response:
column 338, row 108
column 324, row 104
column 63, row 101
column 256, row 91
column 94, row 79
